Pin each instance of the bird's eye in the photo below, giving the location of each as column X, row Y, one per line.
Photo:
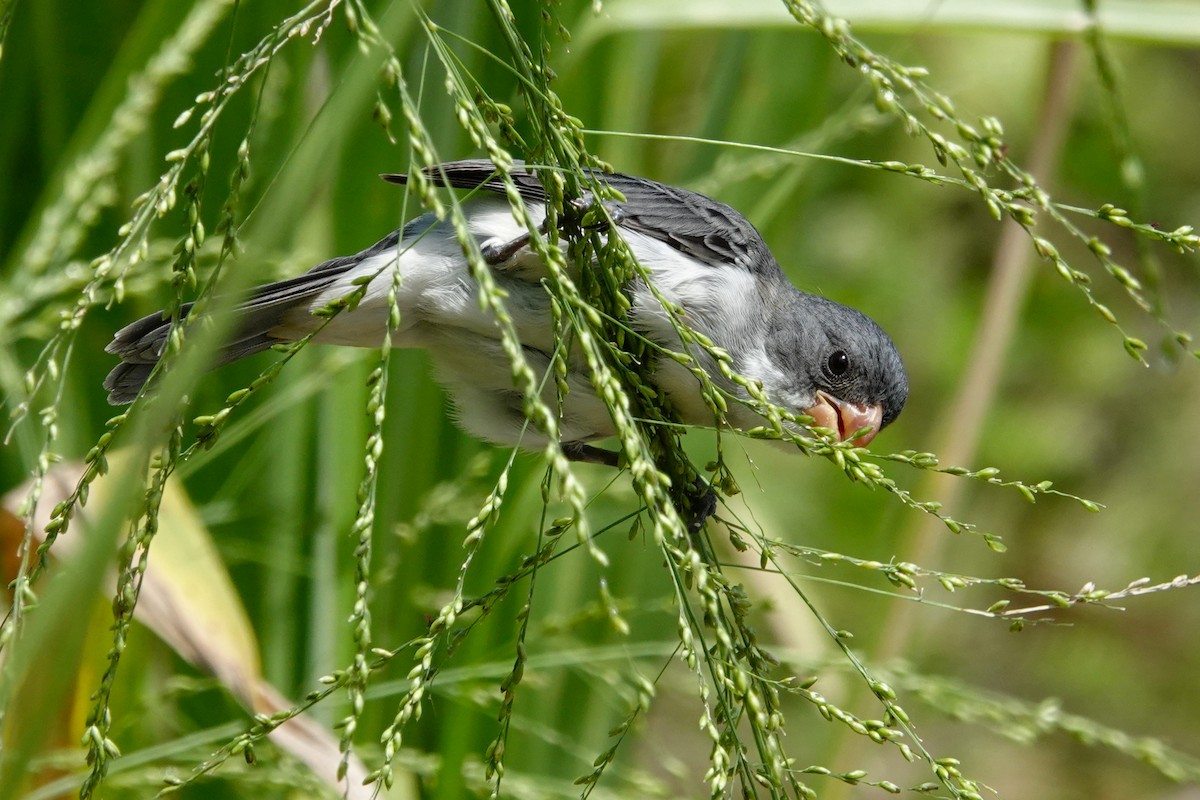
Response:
column 838, row 363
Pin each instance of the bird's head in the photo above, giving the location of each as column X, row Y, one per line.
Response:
column 836, row 365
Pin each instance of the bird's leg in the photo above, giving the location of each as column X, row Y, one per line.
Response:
column 700, row 499
column 578, row 451
column 496, row 252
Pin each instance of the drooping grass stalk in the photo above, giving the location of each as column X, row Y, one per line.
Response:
column 87, row 180
column 739, row 696
column 363, row 529
column 131, row 569
column 1007, row 287
column 982, row 149
column 913, row 580
column 976, row 149
column 108, row 271
column 1027, row 722
column 1130, row 166
column 58, row 237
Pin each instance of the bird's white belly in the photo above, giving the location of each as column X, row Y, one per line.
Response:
column 440, row 310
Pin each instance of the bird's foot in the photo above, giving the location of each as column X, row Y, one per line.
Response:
column 701, row 504
column 578, row 451
column 579, row 207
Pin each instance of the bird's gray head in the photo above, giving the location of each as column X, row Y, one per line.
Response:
column 836, row 364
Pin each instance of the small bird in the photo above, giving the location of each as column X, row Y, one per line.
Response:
column 812, row 356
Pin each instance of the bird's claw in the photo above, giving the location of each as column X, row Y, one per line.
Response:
column 579, row 207
column 703, row 505
column 699, row 501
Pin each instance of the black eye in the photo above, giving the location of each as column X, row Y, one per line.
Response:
column 838, row 363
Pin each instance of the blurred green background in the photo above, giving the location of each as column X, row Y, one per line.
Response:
column 277, row 495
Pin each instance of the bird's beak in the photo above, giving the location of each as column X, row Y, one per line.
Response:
column 846, row 418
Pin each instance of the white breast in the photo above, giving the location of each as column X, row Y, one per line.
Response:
column 440, row 310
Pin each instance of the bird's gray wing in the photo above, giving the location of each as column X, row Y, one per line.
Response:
column 696, row 225
column 479, row 173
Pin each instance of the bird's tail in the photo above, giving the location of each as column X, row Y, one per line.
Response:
column 141, row 344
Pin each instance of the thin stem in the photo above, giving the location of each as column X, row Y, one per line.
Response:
column 1004, row 298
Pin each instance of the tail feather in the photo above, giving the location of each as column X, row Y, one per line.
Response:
column 141, row 344
column 126, row 380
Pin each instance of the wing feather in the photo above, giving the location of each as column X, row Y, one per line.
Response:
column 708, row 231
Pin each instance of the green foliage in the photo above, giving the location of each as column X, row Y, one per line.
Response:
column 470, row 620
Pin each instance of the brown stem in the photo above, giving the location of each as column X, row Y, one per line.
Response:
column 923, row 541
column 1012, row 266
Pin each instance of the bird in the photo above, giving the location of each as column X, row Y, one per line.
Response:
column 811, row 355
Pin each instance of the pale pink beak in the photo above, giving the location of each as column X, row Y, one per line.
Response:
column 846, row 418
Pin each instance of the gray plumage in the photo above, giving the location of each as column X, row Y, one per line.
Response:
column 140, row 345
column 812, row 355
